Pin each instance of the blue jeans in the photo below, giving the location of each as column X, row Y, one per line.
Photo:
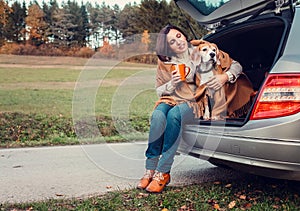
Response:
column 165, row 134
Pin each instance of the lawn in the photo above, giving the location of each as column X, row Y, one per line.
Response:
column 253, row 193
column 73, row 88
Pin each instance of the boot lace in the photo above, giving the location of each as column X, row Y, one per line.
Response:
column 148, row 174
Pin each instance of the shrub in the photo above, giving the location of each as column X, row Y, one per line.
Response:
column 145, row 59
column 84, row 52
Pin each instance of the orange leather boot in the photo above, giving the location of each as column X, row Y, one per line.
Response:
column 146, row 179
column 158, row 183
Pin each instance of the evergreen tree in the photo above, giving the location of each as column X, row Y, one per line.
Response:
column 184, row 21
column 159, row 17
column 83, row 27
column 128, row 21
column 93, row 12
column 116, row 34
column 106, row 19
column 14, row 29
column 62, row 29
column 79, row 25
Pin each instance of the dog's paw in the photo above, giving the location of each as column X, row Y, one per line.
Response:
column 216, row 118
column 206, row 115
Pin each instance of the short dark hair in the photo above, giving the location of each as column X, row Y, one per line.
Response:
column 163, row 51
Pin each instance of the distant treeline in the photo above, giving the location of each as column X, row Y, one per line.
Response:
column 77, row 29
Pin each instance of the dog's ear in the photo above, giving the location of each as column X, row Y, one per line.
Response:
column 198, row 42
column 195, row 56
column 217, row 53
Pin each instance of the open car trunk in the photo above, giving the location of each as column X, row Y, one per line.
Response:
column 255, row 45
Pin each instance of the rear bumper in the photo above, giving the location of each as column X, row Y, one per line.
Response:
column 246, row 149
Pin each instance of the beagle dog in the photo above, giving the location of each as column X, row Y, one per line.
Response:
column 205, row 56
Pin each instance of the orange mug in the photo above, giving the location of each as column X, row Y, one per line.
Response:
column 182, row 69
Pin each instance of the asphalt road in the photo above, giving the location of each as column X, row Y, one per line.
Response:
column 32, row 174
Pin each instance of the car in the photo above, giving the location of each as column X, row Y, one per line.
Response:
column 263, row 35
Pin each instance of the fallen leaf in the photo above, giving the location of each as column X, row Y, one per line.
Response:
column 231, row 204
column 59, row 194
column 247, row 205
column 228, row 186
column 184, row 207
column 143, row 195
column 217, row 183
column 243, row 197
column 277, row 199
column 216, row 206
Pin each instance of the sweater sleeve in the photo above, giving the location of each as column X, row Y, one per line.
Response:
column 236, row 70
column 163, row 79
column 231, row 67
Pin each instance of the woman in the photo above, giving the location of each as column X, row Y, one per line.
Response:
column 177, row 105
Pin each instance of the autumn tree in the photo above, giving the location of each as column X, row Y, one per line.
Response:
column 37, row 25
column 5, row 10
column 145, row 40
column 107, row 50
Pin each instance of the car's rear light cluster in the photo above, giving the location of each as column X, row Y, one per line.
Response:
column 280, row 96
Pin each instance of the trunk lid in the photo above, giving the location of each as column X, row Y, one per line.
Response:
column 217, row 13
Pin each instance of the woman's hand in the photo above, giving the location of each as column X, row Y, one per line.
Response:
column 176, row 79
column 217, row 81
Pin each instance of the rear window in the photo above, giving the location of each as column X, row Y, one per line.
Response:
column 207, row 6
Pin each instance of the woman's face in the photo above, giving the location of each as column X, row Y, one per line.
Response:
column 177, row 41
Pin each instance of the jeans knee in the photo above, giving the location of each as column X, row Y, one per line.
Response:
column 174, row 116
column 158, row 116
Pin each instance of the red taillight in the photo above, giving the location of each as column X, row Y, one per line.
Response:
column 280, row 96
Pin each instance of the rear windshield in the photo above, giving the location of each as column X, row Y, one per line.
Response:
column 207, row 6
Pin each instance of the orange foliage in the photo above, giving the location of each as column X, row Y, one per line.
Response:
column 107, row 50
column 4, row 12
column 45, row 50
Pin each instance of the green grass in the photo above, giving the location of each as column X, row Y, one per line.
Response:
column 51, row 86
column 253, row 193
column 36, row 74
column 34, row 89
column 52, row 102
